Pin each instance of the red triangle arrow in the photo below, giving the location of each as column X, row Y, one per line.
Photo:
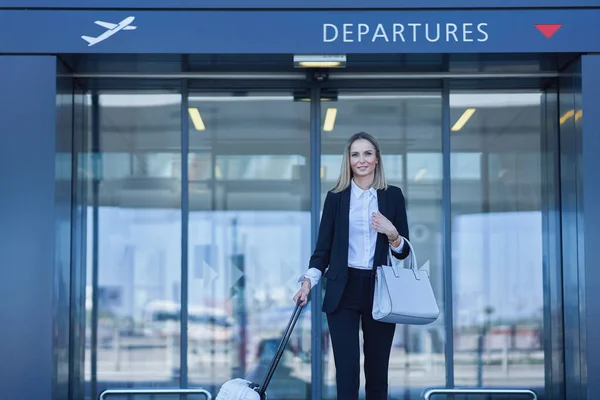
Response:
column 548, row 30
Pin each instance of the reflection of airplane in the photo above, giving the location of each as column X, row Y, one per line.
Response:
column 112, row 29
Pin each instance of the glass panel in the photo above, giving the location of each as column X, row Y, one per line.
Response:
column 134, row 241
column 249, row 238
column 497, row 239
column 408, row 127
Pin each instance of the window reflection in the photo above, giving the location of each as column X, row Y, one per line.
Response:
column 249, row 237
column 497, row 240
column 133, row 242
column 259, row 167
column 465, row 166
column 424, row 167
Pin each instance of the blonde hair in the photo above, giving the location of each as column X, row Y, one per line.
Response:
column 345, row 177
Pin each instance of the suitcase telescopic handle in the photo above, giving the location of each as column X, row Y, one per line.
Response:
column 282, row 344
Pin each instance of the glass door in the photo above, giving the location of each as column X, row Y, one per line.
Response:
column 497, row 217
column 408, row 127
column 201, row 209
column 133, row 239
column 191, row 266
column 249, row 237
column 477, row 177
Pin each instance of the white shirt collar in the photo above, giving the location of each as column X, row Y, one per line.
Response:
column 359, row 192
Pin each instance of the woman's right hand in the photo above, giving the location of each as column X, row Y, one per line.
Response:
column 303, row 292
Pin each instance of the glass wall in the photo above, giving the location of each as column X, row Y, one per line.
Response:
column 497, row 236
column 133, row 269
column 249, row 238
column 198, row 216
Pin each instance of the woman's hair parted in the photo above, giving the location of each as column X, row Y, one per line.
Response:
column 345, row 176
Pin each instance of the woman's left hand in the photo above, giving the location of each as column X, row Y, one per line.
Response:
column 383, row 225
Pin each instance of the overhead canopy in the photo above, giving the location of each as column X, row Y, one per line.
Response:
column 297, row 4
column 299, row 32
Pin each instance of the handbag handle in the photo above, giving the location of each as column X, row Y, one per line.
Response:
column 413, row 259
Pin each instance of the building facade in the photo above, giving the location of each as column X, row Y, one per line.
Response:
column 164, row 166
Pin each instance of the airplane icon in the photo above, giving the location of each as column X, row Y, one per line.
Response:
column 111, row 30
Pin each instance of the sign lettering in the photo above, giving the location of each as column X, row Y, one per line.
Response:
column 408, row 32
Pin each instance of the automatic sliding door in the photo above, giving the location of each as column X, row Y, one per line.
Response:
column 249, row 238
column 408, row 126
column 246, row 241
column 248, row 234
column 497, row 238
column 133, row 240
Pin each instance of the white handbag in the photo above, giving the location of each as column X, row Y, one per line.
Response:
column 403, row 292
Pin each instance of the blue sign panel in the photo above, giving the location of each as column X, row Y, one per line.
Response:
column 297, row 4
column 221, row 32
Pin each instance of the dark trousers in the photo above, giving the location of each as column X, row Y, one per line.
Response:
column 353, row 312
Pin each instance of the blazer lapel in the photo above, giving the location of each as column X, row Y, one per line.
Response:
column 345, row 226
column 382, row 202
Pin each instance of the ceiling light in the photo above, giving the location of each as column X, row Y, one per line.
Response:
column 420, row 174
column 196, row 119
column 463, row 119
column 566, row 116
column 329, row 119
column 319, row 61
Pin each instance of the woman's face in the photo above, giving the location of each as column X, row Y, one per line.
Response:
column 363, row 158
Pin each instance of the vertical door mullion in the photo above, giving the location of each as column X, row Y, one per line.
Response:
column 77, row 286
column 96, row 176
column 183, row 339
column 315, row 207
column 447, row 235
column 552, row 249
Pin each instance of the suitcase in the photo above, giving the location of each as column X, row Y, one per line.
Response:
column 242, row 389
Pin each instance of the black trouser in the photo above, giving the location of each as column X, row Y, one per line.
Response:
column 355, row 306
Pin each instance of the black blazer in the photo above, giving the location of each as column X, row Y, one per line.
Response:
column 331, row 249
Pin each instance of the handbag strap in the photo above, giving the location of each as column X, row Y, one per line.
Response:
column 413, row 258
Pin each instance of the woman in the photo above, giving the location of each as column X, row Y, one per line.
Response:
column 362, row 218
